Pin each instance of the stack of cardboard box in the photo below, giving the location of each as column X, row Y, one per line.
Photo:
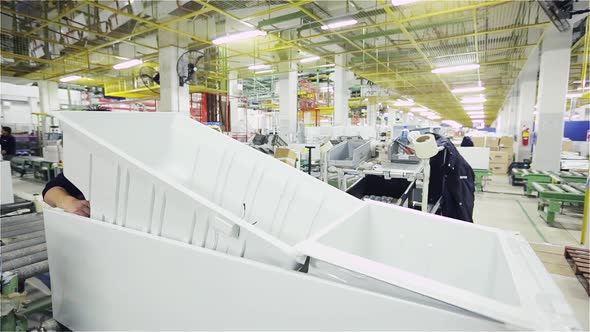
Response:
column 486, row 141
column 500, row 161
column 506, row 144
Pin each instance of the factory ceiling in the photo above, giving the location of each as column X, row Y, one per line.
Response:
column 394, row 46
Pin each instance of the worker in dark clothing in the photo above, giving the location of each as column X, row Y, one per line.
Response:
column 8, row 143
column 63, row 194
column 467, row 141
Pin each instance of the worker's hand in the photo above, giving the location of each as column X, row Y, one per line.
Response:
column 76, row 206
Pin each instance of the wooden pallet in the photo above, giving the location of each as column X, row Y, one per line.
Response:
column 579, row 260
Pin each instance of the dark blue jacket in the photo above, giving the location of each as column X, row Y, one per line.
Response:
column 452, row 178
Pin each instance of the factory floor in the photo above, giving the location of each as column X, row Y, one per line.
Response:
column 503, row 206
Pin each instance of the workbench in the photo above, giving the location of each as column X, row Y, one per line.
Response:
column 553, row 196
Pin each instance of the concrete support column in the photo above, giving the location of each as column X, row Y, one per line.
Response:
column 342, row 79
column 237, row 120
column 173, row 97
column 48, row 96
column 372, row 115
column 553, row 82
column 288, row 103
column 527, row 86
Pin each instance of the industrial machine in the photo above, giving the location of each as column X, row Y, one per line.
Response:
column 266, row 143
column 254, row 244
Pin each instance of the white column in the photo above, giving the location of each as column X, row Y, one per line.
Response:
column 173, row 97
column 342, row 79
column 527, row 85
column 48, row 96
column 553, row 82
column 237, row 120
column 372, row 114
column 288, row 103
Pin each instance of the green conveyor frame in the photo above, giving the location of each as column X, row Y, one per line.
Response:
column 553, row 196
column 480, row 175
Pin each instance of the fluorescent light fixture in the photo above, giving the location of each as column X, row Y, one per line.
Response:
column 328, row 65
column 573, row 95
column 473, row 108
column 471, row 89
column 238, row 36
column 70, row 78
column 264, row 71
column 583, row 89
column 418, row 109
column 403, row 2
column 426, row 113
column 477, row 117
column 401, row 103
column 473, row 100
column 339, row 24
column 444, row 70
column 434, row 117
column 260, row 66
column 128, row 64
column 310, row 59
column 452, row 123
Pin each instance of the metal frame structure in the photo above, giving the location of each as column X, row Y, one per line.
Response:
column 393, row 46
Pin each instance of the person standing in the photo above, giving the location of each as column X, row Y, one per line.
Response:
column 8, row 143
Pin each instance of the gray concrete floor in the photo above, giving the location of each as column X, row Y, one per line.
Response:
column 503, row 206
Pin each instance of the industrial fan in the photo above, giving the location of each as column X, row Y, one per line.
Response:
column 190, row 67
column 150, row 78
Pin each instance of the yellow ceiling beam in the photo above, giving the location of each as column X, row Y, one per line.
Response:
column 65, row 13
column 409, row 19
column 277, row 9
column 100, row 34
column 585, row 59
column 320, row 21
column 419, row 42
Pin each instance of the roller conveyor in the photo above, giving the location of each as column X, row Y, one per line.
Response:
column 553, row 196
column 23, row 249
column 527, row 177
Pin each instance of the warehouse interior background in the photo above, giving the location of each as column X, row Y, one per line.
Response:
column 339, row 90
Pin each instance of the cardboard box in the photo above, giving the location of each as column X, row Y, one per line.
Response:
column 478, row 141
column 500, row 157
column 509, row 151
column 491, row 142
column 286, row 155
column 499, row 168
column 567, row 145
column 506, row 141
